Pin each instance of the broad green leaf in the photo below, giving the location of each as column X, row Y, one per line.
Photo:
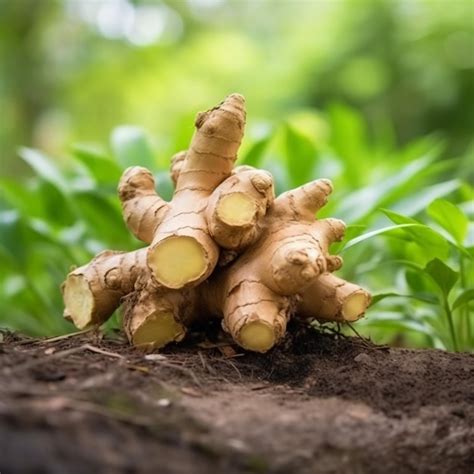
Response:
column 301, row 155
column 464, row 298
column 418, row 201
column 418, row 281
column 430, row 242
column 100, row 167
column 358, row 204
column 131, row 147
column 45, row 168
column 349, row 138
column 59, row 209
column 444, row 276
column 256, row 151
column 104, row 219
column 450, row 218
column 12, row 234
column 22, row 197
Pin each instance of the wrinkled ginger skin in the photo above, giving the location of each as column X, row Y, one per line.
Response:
column 237, row 207
column 143, row 209
column 262, row 287
column 209, row 161
column 330, row 298
column 153, row 318
column 273, row 254
column 94, row 291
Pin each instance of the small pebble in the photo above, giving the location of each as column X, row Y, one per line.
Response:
column 155, row 357
column 164, row 402
column 237, row 444
column 362, row 358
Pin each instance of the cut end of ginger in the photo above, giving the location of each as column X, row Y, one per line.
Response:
column 257, row 336
column 158, row 330
column 79, row 301
column 237, row 209
column 177, row 261
column 354, row 306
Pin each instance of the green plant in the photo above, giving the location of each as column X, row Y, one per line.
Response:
column 411, row 238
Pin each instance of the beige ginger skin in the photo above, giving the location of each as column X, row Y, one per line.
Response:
column 273, row 254
column 210, row 209
column 286, row 273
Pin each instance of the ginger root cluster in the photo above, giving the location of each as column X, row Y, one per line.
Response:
column 223, row 247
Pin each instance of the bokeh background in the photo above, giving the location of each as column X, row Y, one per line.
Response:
column 376, row 95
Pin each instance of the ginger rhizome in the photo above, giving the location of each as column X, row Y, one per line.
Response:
column 286, row 273
column 214, row 206
column 222, row 247
column 208, row 210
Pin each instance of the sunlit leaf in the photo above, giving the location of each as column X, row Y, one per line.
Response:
column 12, row 235
column 374, row 233
column 256, row 151
column 428, row 240
column 100, row 167
column 348, row 138
column 45, row 168
column 464, row 298
column 450, row 218
column 420, row 297
column 358, row 204
column 22, row 197
column 104, row 219
column 131, row 147
column 301, row 156
column 418, row 201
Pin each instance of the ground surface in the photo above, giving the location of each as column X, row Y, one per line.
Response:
column 317, row 404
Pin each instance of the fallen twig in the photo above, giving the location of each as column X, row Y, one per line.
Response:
column 59, row 355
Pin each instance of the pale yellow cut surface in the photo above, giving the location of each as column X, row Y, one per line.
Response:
column 78, row 300
column 257, row 336
column 354, row 306
column 177, row 261
column 236, row 209
column 158, row 330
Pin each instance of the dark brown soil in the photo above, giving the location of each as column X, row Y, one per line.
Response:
column 317, row 404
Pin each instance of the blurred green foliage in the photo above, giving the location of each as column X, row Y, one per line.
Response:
column 372, row 94
column 71, row 69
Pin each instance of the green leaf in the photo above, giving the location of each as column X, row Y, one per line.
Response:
column 443, row 275
column 12, row 234
column 396, row 321
column 464, row 298
column 430, row 242
column 45, row 168
column 131, row 147
column 301, row 156
column 383, row 230
column 22, row 197
column 358, row 204
column 418, row 201
column 352, row 231
column 103, row 218
column 100, row 167
column 349, row 138
column 419, row 297
column 256, row 151
column 450, row 218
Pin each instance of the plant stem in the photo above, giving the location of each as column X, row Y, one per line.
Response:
column 449, row 314
column 465, row 309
